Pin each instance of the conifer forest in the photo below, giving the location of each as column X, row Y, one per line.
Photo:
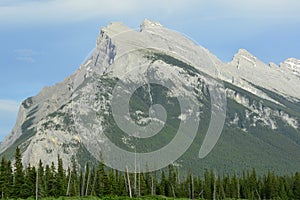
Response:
column 17, row 181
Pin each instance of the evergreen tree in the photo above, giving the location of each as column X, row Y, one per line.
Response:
column 220, row 192
column 191, row 186
column 252, row 184
column 74, row 185
column 213, row 183
column 87, row 179
column 18, row 175
column 282, row 189
column 50, row 174
column 41, row 180
column 228, row 187
column 234, row 187
column 28, row 187
column 101, row 187
column 60, row 178
column 289, row 183
column 10, row 177
column 47, row 181
column 143, row 190
column 121, row 185
column 296, row 187
column 81, row 183
column 172, row 181
column 112, row 183
column 270, row 186
column 163, row 186
column 6, row 178
column 207, row 185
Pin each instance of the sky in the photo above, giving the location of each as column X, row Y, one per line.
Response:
column 44, row 41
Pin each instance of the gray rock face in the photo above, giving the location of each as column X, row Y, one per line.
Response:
column 292, row 64
column 61, row 118
column 245, row 69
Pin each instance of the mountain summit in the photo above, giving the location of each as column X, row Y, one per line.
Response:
column 81, row 116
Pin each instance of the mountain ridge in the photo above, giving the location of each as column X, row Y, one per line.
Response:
column 45, row 125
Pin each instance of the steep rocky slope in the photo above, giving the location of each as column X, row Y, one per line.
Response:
column 75, row 117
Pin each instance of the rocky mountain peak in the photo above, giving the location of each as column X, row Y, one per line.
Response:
column 244, row 58
column 292, row 64
column 147, row 23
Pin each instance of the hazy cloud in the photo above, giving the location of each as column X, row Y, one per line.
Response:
column 65, row 10
column 8, row 106
column 8, row 113
column 26, row 55
column 34, row 11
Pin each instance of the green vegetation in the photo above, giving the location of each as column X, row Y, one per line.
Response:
column 100, row 182
column 109, row 198
column 27, row 103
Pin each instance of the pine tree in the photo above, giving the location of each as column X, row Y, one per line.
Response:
column 234, row 187
column 47, row 181
column 121, row 185
column 112, row 183
column 60, row 178
column 296, row 187
column 207, row 185
column 10, row 177
column 50, row 174
column 18, row 175
column 172, row 181
column 191, row 186
column 6, row 178
column 81, row 182
column 244, row 192
column 101, row 187
column 28, row 187
column 87, row 179
column 41, row 180
column 3, row 186
column 74, row 185
column 163, row 185
column 270, row 188
column 282, row 189
column 252, row 184
column 143, row 190
column 227, row 186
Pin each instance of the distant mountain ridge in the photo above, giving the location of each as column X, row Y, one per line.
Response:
column 263, row 104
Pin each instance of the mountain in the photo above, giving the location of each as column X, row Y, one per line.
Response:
column 152, row 96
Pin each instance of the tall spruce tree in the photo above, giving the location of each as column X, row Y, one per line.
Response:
column 50, row 175
column 41, row 180
column 28, row 188
column 207, row 185
column 74, row 185
column 18, row 175
column 60, row 178
column 101, row 187
column 296, row 187
column 6, row 178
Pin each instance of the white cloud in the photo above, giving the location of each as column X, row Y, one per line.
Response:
column 263, row 9
column 8, row 113
column 61, row 11
column 26, row 55
column 26, row 59
column 33, row 11
column 9, row 106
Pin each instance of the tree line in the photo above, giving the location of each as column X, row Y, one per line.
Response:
column 17, row 181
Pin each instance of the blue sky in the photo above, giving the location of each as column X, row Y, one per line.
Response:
column 44, row 41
